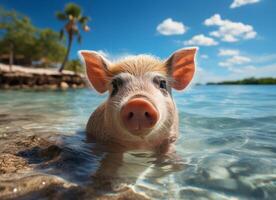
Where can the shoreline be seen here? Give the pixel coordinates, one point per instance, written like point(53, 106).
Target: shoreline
point(247, 81)
point(39, 78)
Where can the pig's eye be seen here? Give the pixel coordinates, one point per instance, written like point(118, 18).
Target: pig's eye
point(163, 84)
point(160, 83)
point(116, 84)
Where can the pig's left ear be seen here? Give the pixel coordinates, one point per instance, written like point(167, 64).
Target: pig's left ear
point(96, 69)
point(181, 67)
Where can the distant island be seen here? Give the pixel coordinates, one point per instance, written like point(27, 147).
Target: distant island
point(247, 81)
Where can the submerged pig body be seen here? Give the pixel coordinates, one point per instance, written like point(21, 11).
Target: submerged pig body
point(139, 112)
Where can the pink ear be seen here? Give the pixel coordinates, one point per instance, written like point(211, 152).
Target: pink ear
point(96, 70)
point(182, 67)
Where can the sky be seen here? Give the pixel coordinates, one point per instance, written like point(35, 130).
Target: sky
point(236, 38)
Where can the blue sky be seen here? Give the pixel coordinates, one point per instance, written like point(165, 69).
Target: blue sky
point(236, 38)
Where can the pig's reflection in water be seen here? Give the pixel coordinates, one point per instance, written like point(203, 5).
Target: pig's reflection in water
point(120, 168)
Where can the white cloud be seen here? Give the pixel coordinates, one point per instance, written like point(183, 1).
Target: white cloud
point(171, 27)
point(229, 31)
point(224, 64)
point(228, 52)
point(253, 71)
point(235, 60)
point(204, 56)
point(265, 58)
point(201, 40)
point(242, 69)
point(204, 76)
point(262, 71)
point(238, 3)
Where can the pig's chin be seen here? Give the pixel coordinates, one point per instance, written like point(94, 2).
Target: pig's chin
point(137, 132)
point(140, 133)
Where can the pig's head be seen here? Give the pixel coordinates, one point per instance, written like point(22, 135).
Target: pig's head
point(140, 104)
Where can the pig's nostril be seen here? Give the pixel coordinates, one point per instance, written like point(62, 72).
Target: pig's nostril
point(147, 114)
point(130, 115)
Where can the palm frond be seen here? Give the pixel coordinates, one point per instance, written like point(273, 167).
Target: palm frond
point(84, 19)
point(72, 9)
point(61, 16)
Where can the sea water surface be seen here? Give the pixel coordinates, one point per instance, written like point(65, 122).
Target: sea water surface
point(226, 149)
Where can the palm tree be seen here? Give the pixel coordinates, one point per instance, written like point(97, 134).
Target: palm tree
point(73, 16)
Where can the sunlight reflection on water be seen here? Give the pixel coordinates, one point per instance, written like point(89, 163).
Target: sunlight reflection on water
point(227, 147)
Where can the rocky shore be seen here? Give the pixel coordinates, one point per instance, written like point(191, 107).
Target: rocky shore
point(32, 162)
point(38, 78)
point(20, 177)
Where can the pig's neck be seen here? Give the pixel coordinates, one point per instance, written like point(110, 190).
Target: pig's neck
point(97, 129)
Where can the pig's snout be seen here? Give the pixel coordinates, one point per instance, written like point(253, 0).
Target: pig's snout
point(139, 114)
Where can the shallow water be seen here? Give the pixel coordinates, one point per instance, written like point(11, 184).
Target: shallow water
point(226, 149)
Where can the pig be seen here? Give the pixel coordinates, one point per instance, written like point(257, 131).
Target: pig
point(139, 113)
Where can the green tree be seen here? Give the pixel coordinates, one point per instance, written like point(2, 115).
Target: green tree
point(75, 66)
point(20, 38)
point(49, 49)
point(17, 35)
point(73, 16)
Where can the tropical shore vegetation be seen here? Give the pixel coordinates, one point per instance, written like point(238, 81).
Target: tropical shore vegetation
point(248, 81)
point(32, 57)
point(24, 44)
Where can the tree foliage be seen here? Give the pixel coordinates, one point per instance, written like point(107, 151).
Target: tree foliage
point(19, 36)
point(49, 48)
point(248, 81)
point(73, 18)
point(75, 66)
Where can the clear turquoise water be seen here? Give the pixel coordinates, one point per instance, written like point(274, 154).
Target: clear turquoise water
point(227, 146)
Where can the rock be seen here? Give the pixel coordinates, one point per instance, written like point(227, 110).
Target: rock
point(87, 193)
point(52, 80)
point(25, 86)
point(24, 143)
point(82, 85)
point(35, 78)
point(52, 87)
point(26, 163)
point(66, 78)
point(64, 85)
point(5, 86)
point(218, 172)
point(27, 187)
point(10, 163)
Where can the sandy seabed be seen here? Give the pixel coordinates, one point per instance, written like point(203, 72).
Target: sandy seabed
point(25, 157)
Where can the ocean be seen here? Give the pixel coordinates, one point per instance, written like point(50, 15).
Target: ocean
point(226, 149)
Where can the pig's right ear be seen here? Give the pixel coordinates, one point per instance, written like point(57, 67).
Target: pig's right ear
point(96, 69)
point(181, 66)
